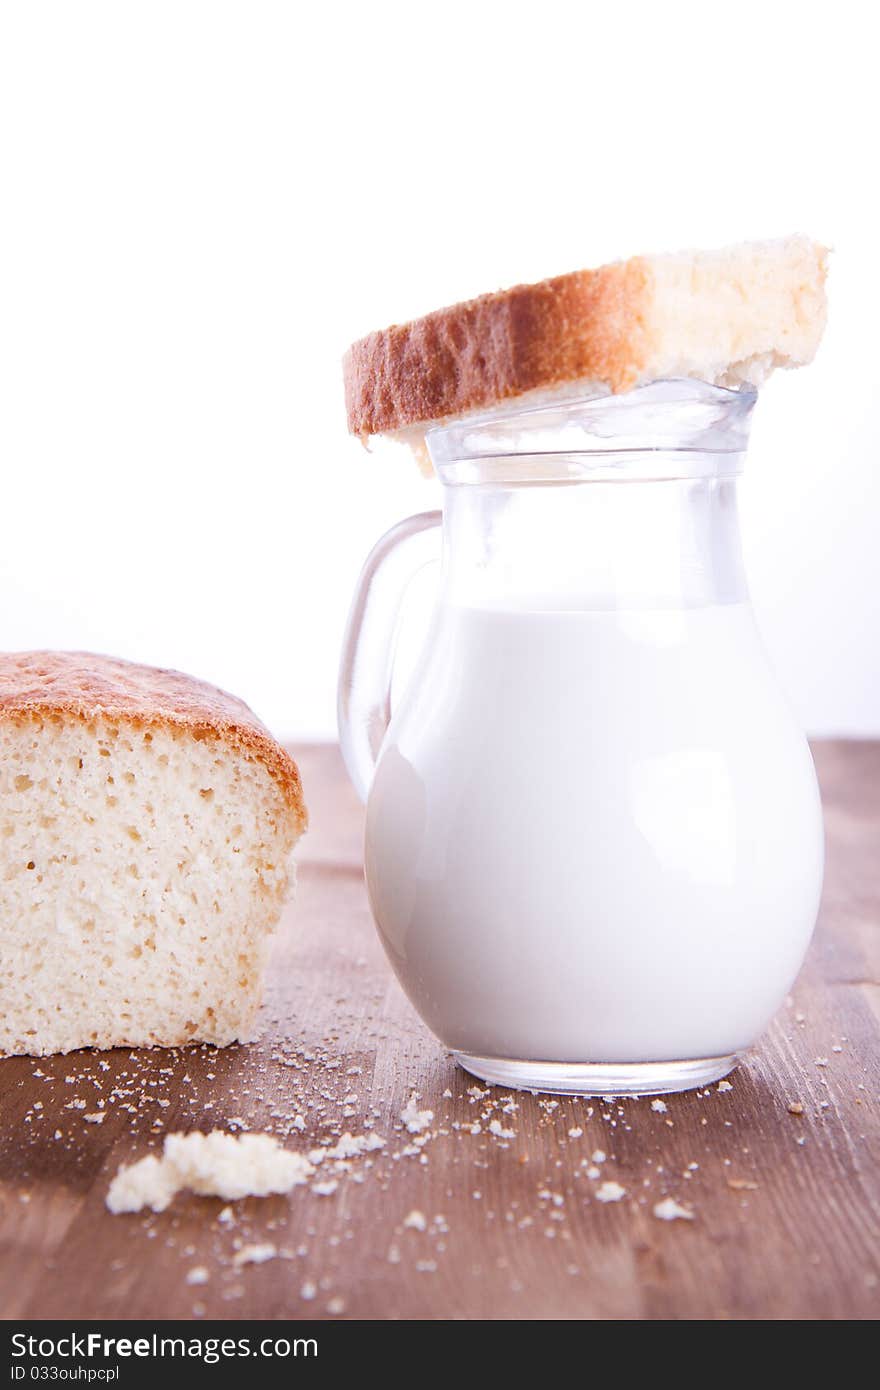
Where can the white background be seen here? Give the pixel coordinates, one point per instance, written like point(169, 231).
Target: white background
point(202, 204)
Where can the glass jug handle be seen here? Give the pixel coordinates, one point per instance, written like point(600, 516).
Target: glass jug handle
point(364, 694)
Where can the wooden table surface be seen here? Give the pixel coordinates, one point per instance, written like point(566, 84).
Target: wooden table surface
point(489, 1211)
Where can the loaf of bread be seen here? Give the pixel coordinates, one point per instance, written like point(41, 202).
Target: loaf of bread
point(726, 317)
point(147, 824)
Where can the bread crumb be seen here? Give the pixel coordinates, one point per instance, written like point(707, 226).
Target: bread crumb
point(211, 1165)
point(659, 1106)
point(308, 1291)
point(336, 1306)
point(610, 1192)
point(325, 1189)
point(256, 1254)
point(352, 1145)
point(148, 1183)
point(795, 1107)
point(96, 1117)
point(413, 1118)
point(742, 1185)
point(415, 1221)
point(197, 1275)
point(496, 1128)
point(670, 1210)
point(724, 1086)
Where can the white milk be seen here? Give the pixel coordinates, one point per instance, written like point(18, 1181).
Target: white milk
point(595, 836)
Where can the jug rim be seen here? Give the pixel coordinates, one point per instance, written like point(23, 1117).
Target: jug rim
point(677, 428)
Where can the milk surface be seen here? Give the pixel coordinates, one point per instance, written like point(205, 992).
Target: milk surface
point(594, 836)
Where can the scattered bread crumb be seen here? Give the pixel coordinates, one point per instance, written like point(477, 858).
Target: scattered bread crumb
point(610, 1192)
point(670, 1210)
point(212, 1165)
point(256, 1254)
point(496, 1128)
point(413, 1118)
point(351, 1146)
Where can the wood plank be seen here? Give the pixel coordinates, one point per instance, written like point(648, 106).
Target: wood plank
point(786, 1207)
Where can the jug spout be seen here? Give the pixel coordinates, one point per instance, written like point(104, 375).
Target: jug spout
point(675, 428)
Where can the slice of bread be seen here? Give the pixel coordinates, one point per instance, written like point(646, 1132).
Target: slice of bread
point(147, 823)
point(726, 317)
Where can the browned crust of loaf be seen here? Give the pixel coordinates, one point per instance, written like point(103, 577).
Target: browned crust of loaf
point(587, 325)
point(85, 686)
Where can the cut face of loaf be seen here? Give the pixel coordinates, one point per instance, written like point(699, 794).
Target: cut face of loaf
point(147, 824)
point(726, 317)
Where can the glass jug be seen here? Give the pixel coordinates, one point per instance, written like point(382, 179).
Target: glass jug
point(594, 840)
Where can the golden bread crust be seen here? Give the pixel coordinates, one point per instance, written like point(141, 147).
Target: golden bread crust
point(589, 325)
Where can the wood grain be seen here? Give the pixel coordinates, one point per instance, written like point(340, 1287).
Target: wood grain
point(786, 1206)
